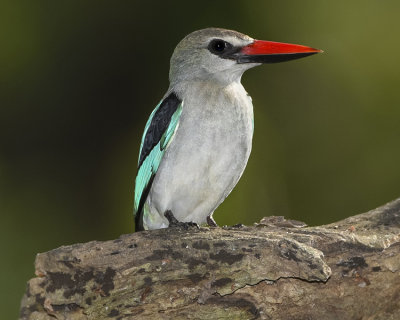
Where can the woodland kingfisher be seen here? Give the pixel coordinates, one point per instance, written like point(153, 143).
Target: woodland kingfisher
point(197, 141)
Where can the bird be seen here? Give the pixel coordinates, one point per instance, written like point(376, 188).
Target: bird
point(198, 139)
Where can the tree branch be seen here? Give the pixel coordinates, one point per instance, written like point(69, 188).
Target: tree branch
point(277, 269)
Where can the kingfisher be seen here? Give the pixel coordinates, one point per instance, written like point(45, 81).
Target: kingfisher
point(197, 141)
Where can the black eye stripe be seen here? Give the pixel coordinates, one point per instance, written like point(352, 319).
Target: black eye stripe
point(223, 49)
point(218, 46)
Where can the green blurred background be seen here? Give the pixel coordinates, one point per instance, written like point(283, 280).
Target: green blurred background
point(78, 80)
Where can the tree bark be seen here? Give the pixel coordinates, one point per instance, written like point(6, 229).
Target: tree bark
point(276, 269)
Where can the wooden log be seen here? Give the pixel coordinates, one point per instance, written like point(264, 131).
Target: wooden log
point(276, 269)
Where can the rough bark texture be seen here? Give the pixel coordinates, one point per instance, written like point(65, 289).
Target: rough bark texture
point(277, 269)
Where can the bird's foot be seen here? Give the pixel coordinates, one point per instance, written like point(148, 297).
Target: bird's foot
point(170, 217)
point(173, 222)
point(211, 222)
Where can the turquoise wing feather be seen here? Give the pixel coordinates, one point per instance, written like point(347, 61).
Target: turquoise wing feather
point(158, 134)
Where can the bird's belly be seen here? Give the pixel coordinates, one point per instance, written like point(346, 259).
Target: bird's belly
point(205, 158)
point(198, 172)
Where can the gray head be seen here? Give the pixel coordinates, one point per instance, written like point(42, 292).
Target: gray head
point(198, 56)
point(222, 55)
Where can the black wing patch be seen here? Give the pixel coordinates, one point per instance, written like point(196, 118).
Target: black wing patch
point(159, 124)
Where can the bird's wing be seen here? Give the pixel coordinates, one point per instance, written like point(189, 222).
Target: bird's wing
point(158, 133)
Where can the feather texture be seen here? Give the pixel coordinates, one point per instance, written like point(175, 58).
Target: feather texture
point(158, 133)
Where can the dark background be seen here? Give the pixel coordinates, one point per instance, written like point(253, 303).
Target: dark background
point(78, 80)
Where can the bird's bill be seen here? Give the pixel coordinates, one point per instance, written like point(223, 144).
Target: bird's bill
point(260, 51)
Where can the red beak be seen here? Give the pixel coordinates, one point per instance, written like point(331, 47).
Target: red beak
point(260, 51)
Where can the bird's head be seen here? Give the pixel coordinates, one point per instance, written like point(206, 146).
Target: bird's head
point(223, 55)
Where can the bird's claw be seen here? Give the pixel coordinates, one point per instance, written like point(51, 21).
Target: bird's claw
point(173, 222)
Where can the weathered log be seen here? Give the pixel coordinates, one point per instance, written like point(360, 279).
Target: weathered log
point(276, 269)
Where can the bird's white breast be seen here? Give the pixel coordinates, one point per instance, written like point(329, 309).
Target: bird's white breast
point(207, 155)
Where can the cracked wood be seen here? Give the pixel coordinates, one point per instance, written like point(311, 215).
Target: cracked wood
point(276, 269)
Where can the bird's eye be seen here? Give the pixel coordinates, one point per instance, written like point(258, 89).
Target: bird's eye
point(218, 46)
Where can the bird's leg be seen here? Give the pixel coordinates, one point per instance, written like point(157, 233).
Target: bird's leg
point(211, 222)
point(171, 218)
point(173, 222)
